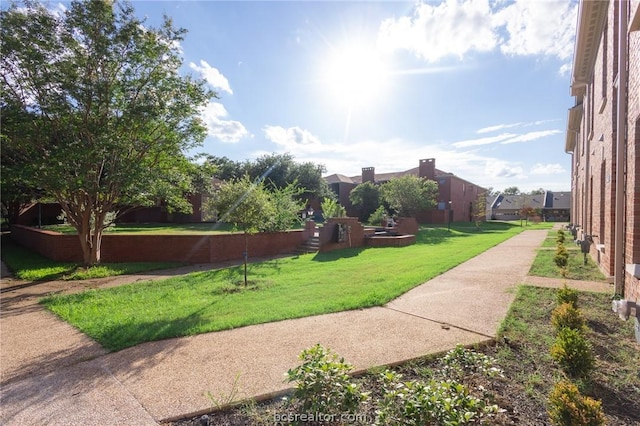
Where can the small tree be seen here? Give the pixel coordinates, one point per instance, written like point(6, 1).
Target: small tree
point(479, 209)
point(408, 195)
point(525, 213)
point(366, 196)
point(246, 205)
point(332, 208)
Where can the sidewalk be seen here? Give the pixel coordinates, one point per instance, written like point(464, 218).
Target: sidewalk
point(52, 374)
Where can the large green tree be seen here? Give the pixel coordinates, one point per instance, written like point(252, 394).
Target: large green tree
point(409, 195)
point(366, 197)
point(110, 115)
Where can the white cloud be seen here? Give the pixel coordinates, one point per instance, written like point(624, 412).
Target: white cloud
point(531, 136)
point(212, 76)
point(502, 169)
point(452, 27)
point(539, 28)
point(547, 169)
point(497, 127)
point(484, 141)
point(291, 138)
point(505, 138)
point(456, 27)
point(225, 130)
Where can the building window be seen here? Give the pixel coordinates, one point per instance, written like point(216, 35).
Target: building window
point(441, 205)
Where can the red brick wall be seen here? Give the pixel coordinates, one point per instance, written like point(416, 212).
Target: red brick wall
point(594, 157)
point(165, 248)
point(327, 234)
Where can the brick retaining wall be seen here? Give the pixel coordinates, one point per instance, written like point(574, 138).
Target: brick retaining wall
point(162, 248)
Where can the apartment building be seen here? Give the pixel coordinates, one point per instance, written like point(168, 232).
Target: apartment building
point(603, 138)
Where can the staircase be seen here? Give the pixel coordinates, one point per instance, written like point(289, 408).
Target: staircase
point(312, 245)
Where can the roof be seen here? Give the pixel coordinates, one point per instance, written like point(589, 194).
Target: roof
point(379, 177)
point(548, 200)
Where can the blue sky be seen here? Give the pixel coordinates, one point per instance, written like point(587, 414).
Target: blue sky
point(481, 86)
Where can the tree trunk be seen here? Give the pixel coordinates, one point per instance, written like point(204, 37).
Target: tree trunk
point(246, 256)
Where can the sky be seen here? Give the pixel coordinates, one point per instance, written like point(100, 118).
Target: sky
point(482, 86)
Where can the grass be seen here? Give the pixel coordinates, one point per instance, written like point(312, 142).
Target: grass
point(152, 228)
point(30, 266)
point(522, 352)
point(525, 356)
point(285, 288)
point(544, 266)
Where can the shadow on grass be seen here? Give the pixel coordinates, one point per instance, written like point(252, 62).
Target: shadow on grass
point(331, 256)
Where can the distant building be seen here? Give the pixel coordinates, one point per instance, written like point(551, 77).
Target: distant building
point(550, 206)
point(455, 195)
point(603, 138)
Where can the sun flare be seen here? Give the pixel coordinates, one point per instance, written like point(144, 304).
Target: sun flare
point(355, 74)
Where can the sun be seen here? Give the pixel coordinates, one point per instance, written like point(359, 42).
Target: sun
point(355, 74)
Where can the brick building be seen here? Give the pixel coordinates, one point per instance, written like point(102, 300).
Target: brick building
point(603, 138)
point(455, 195)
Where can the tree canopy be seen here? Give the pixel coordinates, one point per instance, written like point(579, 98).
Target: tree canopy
point(106, 114)
point(365, 196)
point(278, 171)
point(408, 195)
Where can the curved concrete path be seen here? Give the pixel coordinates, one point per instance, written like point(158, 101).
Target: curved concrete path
point(52, 374)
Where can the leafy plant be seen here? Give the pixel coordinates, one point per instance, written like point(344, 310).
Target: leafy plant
point(331, 208)
point(561, 237)
point(568, 295)
point(378, 216)
point(567, 407)
point(323, 384)
point(573, 352)
point(561, 259)
point(435, 402)
point(567, 316)
point(460, 361)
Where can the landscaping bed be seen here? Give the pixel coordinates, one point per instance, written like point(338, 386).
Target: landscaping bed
point(521, 352)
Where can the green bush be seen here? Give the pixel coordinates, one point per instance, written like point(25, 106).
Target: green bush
point(568, 295)
point(460, 361)
point(378, 216)
point(573, 352)
point(561, 237)
point(567, 407)
point(438, 403)
point(561, 258)
point(323, 384)
point(331, 208)
point(567, 316)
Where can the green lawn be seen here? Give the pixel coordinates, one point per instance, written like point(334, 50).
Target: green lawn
point(544, 266)
point(152, 228)
point(284, 288)
point(30, 266)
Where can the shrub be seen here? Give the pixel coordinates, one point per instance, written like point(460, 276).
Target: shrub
point(417, 403)
point(460, 361)
point(567, 407)
point(568, 295)
point(378, 216)
point(561, 258)
point(323, 384)
point(573, 352)
point(567, 316)
point(331, 208)
point(561, 237)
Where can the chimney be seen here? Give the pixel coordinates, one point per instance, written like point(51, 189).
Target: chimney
point(368, 174)
point(427, 169)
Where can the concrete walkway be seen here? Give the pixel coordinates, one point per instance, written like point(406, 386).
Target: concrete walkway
point(54, 375)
